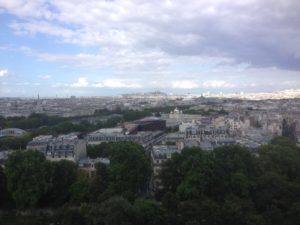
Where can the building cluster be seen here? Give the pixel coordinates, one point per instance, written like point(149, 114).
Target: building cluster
point(68, 147)
point(159, 155)
point(82, 106)
point(145, 132)
point(88, 165)
point(12, 132)
point(247, 127)
point(205, 122)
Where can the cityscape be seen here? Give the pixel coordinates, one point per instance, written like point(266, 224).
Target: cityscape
point(141, 112)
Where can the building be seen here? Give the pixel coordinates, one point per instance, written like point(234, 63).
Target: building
point(177, 117)
point(88, 165)
point(118, 134)
point(160, 154)
point(12, 132)
point(146, 124)
point(68, 147)
point(204, 133)
point(3, 157)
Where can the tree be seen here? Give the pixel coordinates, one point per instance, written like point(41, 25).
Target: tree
point(233, 171)
point(186, 174)
point(150, 211)
point(117, 210)
point(62, 175)
point(5, 197)
point(129, 169)
point(101, 150)
point(80, 190)
point(277, 189)
point(27, 177)
point(14, 143)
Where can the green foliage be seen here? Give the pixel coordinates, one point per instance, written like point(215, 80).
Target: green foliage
point(128, 115)
point(150, 211)
point(27, 175)
point(80, 190)
point(73, 216)
point(227, 186)
point(233, 171)
point(129, 169)
point(26, 220)
point(117, 210)
point(183, 170)
point(131, 115)
point(111, 122)
point(6, 201)
point(14, 143)
point(62, 175)
point(232, 186)
point(101, 150)
point(35, 120)
point(205, 112)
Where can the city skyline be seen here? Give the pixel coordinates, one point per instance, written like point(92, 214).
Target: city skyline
point(112, 47)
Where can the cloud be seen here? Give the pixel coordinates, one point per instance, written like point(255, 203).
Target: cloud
point(3, 73)
point(118, 83)
point(222, 28)
point(81, 82)
point(218, 84)
point(173, 45)
point(28, 83)
point(45, 77)
point(185, 84)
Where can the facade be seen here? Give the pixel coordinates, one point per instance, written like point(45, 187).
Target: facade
point(12, 132)
point(3, 157)
point(160, 154)
point(68, 147)
point(118, 134)
point(146, 124)
point(88, 165)
point(203, 133)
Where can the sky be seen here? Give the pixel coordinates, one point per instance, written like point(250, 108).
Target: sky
point(108, 47)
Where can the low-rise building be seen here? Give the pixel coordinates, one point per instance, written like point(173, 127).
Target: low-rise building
point(3, 157)
point(68, 147)
point(118, 134)
point(88, 165)
point(160, 154)
point(146, 124)
point(12, 132)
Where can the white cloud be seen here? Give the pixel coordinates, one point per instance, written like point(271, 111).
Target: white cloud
point(81, 82)
point(185, 84)
point(45, 77)
point(218, 84)
point(196, 28)
point(3, 73)
point(28, 83)
point(117, 83)
point(162, 44)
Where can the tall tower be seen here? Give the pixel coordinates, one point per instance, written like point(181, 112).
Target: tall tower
point(38, 108)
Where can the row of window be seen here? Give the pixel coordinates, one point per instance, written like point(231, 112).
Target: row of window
point(127, 138)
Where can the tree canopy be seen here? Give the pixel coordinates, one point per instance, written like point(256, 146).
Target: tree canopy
point(227, 186)
point(27, 175)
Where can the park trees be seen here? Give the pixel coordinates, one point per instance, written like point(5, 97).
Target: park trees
point(27, 177)
point(129, 170)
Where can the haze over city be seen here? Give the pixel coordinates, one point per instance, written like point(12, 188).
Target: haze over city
point(90, 48)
